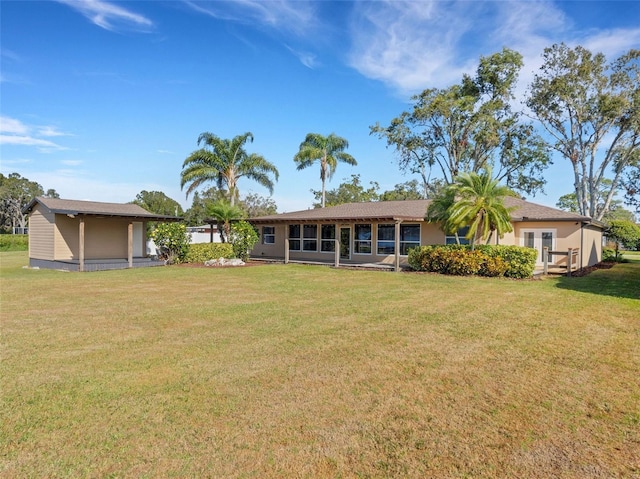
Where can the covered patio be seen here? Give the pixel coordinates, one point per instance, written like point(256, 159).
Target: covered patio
point(77, 235)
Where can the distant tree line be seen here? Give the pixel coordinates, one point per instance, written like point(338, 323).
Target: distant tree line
point(15, 193)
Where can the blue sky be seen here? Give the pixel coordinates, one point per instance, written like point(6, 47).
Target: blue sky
point(103, 99)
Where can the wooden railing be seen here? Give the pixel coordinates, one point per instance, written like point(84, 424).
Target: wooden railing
point(571, 254)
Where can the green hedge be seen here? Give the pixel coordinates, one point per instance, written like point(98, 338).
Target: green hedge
point(484, 260)
point(14, 242)
point(201, 252)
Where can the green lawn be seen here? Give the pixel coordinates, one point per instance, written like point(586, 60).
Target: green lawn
point(309, 371)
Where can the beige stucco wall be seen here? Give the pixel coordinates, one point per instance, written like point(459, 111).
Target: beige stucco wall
point(567, 235)
point(104, 238)
point(66, 238)
point(429, 234)
point(275, 250)
point(41, 234)
point(591, 245)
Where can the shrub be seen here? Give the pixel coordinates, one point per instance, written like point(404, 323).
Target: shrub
point(465, 262)
point(493, 266)
point(201, 252)
point(485, 260)
point(521, 261)
point(609, 255)
point(10, 242)
point(173, 241)
point(243, 238)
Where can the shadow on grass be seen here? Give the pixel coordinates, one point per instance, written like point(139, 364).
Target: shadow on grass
point(622, 281)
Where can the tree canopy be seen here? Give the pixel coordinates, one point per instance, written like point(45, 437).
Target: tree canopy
point(159, 203)
point(625, 233)
point(328, 151)
point(469, 127)
point(224, 213)
point(590, 110)
point(15, 193)
point(476, 201)
point(224, 162)
point(347, 192)
point(409, 190)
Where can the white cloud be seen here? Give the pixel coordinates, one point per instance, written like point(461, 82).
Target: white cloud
point(110, 16)
point(71, 162)
point(43, 145)
point(14, 132)
point(411, 46)
point(297, 19)
point(612, 43)
point(291, 16)
point(308, 59)
point(12, 126)
point(51, 131)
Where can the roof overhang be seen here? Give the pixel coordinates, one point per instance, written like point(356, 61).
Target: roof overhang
point(353, 219)
point(585, 220)
point(101, 214)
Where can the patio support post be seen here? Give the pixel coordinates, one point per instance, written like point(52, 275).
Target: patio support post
point(81, 245)
point(286, 250)
point(397, 247)
point(545, 259)
point(337, 243)
point(569, 261)
point(130, 244)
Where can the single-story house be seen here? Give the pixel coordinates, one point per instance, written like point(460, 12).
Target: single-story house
point(89, 236)
point(381, 233)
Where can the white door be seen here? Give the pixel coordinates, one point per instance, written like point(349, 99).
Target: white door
point(137, 239)
point(539, 239)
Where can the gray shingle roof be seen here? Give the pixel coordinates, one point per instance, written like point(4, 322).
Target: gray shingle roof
point(95, 208)
point(412, 210)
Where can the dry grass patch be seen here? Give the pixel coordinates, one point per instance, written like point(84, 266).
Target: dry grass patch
point(300, 371)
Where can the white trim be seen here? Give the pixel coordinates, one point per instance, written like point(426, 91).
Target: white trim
point(270, 235)
point(537, 240)
point(303, 239)
point(335, 233)
point(419, 225)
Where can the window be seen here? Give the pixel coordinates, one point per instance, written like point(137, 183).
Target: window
point(268, 235)
point(327, 237)
point(462, 232)
point(294, 237)
point(362, 241)
point(386, 239)
point(529, 239)
point(539, 239)
point(409, 238)
point(310, 238)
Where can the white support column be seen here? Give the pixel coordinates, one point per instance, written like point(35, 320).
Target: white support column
point(286, 250)
point(81, 244)
point(130, 244)
point(397, 246)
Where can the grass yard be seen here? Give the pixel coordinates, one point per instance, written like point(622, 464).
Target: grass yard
point(308, 371)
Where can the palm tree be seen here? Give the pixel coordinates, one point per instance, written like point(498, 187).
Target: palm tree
point(224, 212)
point(328, 150)
point(480, 205)
point(225, 162)
point(439, 210)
